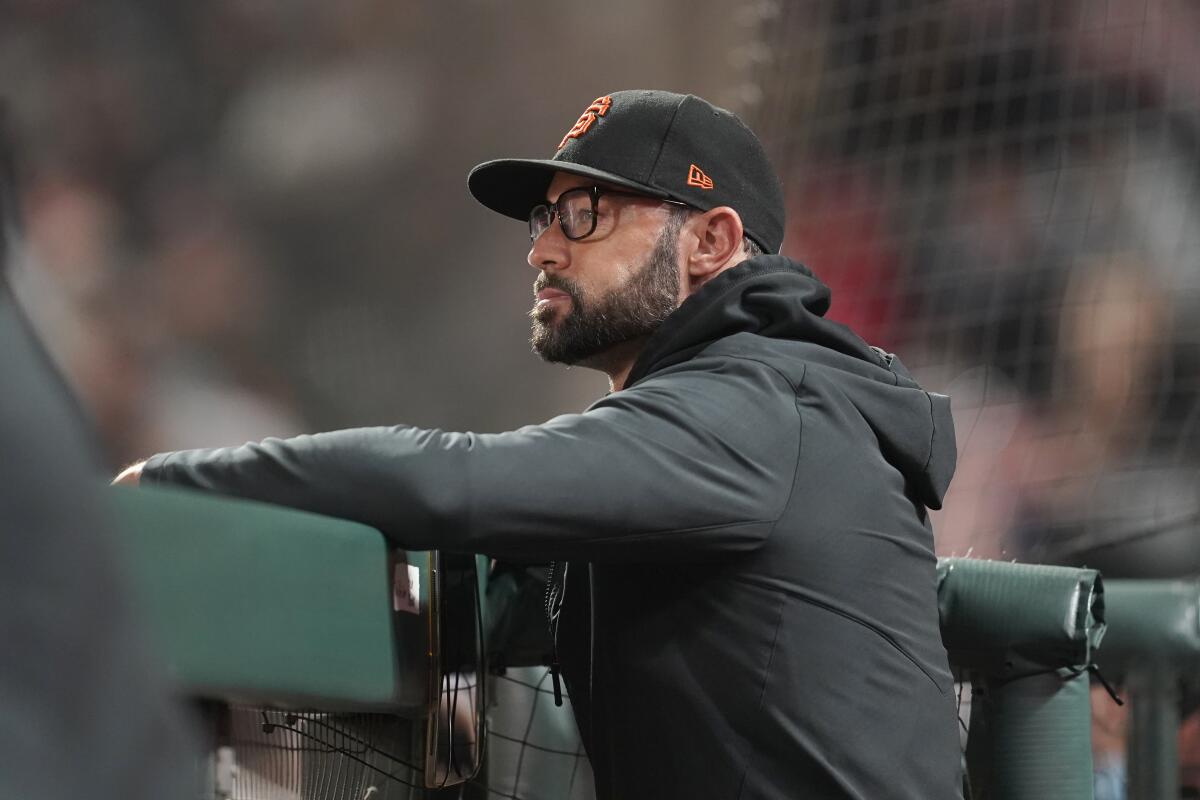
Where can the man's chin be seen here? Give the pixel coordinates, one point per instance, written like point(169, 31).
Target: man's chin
point(550, 357)
point(547, 324)
point(549, 314)
point(549, 346)
point(548, 342)
point(542, 342)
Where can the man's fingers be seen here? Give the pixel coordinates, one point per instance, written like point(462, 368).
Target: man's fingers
point(130, 476)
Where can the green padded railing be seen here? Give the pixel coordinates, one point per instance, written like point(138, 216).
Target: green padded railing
point(1153, 649)
point(1024, 636)
point(290, 625)
point(251, 602)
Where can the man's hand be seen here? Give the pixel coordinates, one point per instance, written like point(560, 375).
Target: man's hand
point(130, 476)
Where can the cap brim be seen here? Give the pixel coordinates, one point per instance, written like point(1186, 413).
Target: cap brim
point(513, 186)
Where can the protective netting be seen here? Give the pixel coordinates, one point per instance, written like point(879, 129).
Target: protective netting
point(533, 751)
point(287, 756)
point(1006, 195)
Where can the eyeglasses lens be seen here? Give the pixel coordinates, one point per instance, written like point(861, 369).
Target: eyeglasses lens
point(539, 219)
point(575, 213)
point(575, 210)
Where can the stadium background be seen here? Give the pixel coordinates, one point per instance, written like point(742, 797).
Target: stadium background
point(248, 219)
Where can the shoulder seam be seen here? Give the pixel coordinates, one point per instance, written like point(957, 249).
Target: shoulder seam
point(799, 448)
point(799, 423)
point(932, 432)
point(794, 387)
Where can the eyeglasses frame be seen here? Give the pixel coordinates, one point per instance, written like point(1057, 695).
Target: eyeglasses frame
point(594, 193)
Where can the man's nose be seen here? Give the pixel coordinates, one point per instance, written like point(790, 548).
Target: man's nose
point(549, 250)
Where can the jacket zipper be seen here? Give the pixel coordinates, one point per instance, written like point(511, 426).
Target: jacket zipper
point(556, 590)
point(591, 652)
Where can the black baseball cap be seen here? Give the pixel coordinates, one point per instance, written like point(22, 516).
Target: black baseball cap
point(663, 144)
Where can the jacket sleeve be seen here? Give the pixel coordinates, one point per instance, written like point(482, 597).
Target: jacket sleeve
point(690, 464)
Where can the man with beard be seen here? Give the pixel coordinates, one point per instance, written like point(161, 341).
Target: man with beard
point(743, 598)
point(588, 333)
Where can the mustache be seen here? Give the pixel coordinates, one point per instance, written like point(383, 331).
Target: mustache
point(547, 281)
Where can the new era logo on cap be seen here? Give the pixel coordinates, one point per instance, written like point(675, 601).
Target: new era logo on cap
point(696, 177)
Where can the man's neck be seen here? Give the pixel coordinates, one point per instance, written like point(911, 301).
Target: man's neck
point(616, 380)
point(617, 362)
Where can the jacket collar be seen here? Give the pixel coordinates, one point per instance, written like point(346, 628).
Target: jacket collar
point(769, 295)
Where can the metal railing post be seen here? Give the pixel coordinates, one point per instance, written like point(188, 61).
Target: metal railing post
point(1153, 649)
point(1024, 635)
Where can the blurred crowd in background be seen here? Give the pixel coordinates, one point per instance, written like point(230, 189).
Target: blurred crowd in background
point(1007, 194)
point(250, 218)
point(246, 219)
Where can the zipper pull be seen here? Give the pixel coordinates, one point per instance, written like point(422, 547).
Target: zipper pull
point(554, 680)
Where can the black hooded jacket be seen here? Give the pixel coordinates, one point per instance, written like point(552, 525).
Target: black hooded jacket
point(749, 605)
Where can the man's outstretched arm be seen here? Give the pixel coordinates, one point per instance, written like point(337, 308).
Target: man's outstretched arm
point(699, 462)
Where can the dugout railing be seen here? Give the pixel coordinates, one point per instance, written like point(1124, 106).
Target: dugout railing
point(324, 663)
point(1023, 637)
point(329, 665)
point(1153, 650)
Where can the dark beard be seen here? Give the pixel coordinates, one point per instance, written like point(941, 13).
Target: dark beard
point(633, 311)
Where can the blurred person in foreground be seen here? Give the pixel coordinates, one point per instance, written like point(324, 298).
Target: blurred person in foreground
point(743, 597)
point(84, 710)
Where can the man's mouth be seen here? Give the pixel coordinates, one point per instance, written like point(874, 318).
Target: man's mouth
point(547, 296)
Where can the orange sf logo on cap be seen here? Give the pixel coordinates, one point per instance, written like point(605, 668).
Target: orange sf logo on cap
point(598, 108)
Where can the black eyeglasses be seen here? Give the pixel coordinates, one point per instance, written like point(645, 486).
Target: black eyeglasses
point(576, 211)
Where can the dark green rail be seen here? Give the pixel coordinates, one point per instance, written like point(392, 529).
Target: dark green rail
point(254, 602)
point(1153, 648)
point(1024, 636)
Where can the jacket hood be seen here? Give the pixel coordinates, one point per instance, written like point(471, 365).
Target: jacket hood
point(781, 304)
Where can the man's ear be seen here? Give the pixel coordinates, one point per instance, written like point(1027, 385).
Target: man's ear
point(717, 244)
